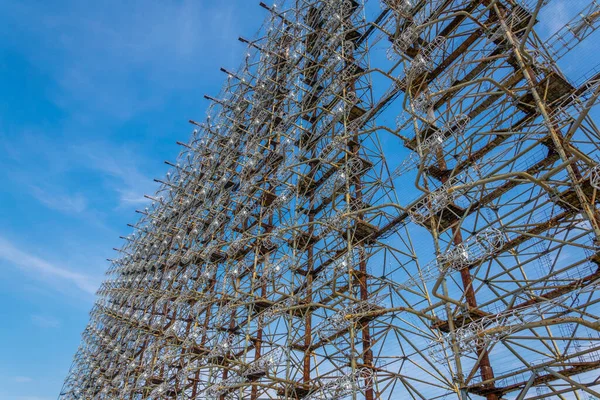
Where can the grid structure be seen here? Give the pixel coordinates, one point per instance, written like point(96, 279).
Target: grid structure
point(303, 247)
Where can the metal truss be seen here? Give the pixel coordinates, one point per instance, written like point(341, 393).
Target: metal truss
point(303, 246)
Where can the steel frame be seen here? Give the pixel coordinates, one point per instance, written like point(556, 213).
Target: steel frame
point(284, 257)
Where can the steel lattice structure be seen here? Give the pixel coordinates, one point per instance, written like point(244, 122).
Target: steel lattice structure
point(276, 259)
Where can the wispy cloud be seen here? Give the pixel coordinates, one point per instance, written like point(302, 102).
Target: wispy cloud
point(557, 16)
point(63, 202)
point(558, 12)
point(41, 268)
point(121, 171)
point(31, 398)
point(22, 379)
point(121, 168)
point(45, 321)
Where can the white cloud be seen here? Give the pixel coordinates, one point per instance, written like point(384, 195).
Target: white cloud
point(67, 203)
point(121, 165)
point(44, 269)
point(31, 398)
point(22, 379)
point(120, 169)
point(45, 321)
point(558, 12)
point(557, 16)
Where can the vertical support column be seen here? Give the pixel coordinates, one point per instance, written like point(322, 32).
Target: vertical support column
point(309, 278)
point(357, 197)
point(485, 366)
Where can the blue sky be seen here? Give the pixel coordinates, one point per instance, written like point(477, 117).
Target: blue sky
point(92, 99)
